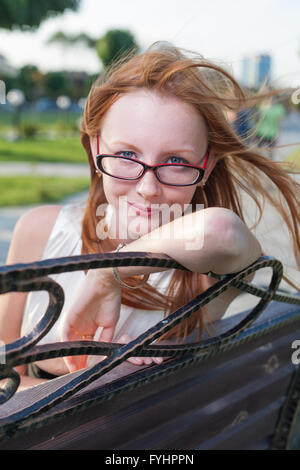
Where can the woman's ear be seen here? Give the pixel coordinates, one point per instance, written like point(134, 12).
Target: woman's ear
point(211, 163)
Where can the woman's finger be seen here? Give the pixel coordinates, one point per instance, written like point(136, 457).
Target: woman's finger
point(69, 333)
point(76, 362)
point(124, 339)
point(107, 334)
point(158, 360)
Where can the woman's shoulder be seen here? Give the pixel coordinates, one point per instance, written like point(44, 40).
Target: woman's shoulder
point(31, 233)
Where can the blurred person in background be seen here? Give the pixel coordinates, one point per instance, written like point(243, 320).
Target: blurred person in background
point(269, 115)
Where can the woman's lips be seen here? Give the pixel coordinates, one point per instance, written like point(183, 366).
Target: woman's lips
point(148, 211)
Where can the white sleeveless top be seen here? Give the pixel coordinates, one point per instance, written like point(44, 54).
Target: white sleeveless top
point(65, 240)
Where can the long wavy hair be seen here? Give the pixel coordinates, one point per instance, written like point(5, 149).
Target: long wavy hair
point(213, 92)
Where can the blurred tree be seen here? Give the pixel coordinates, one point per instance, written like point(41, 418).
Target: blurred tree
point(81, 83)
point(30, 81)
point(26, 14)
point(36, 84)
point(56, 84)
point(61, 38)
point(109, 47)
point(114, 44)
point(70, 40)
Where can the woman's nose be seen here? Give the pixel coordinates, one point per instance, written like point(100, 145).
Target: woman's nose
point(149, 186)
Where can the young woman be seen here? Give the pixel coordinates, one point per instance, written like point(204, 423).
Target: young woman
point(159, 146)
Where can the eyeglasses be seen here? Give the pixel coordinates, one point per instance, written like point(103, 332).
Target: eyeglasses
point(172, 174)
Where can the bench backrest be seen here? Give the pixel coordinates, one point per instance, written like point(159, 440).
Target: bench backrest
point(240, 394)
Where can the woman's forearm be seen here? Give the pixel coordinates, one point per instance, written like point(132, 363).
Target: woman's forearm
point(213, 239)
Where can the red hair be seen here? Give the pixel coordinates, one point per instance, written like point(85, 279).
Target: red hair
point(211, 91)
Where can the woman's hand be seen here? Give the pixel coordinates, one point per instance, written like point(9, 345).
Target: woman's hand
point(124, 339)
point(96, 304)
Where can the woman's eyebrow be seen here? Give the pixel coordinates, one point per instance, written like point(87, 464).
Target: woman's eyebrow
point(125, 144)
point(175, 150)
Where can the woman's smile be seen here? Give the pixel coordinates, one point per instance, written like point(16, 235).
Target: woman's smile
point(146, 211)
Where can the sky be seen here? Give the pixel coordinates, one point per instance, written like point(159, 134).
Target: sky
point(224, 31)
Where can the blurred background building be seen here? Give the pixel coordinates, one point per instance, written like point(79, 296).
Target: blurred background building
point(256, 70)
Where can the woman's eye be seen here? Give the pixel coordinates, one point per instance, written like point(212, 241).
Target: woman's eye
point(177, 160)
point(127, 153)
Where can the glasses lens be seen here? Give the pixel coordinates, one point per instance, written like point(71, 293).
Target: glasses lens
point(178, 174)
point(121, 167)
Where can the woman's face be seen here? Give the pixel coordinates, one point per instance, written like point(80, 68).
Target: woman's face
point(152, 128)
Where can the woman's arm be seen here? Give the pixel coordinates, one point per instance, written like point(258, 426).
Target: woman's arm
point(214, 240)
point(227, 245)
point(27, 245)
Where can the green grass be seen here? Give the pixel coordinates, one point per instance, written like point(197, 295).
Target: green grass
point(49, 120)
point(68, 150)
point(22, 190)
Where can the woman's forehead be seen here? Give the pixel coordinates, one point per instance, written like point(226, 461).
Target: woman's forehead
point(142, 99)
point(145, 112)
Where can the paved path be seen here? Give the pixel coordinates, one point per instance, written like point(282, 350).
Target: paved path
point(48, 169)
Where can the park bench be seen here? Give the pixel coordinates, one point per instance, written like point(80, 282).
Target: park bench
point(236, 388)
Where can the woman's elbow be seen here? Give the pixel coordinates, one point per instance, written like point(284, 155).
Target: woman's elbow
point(234, 245)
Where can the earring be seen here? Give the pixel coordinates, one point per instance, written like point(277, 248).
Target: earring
point(98, 172)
